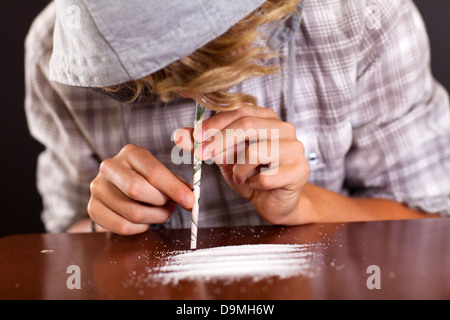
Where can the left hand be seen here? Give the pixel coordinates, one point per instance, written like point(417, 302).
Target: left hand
point(271, 172)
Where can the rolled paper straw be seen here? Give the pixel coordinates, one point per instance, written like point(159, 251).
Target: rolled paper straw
point(199, 117)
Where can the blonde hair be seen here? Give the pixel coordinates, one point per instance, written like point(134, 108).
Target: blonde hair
point(207, 74)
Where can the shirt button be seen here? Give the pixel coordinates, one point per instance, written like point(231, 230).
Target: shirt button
point(313, 158)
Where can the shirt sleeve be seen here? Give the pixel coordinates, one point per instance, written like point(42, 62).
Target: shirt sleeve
point(401, 143)
point(67, 165)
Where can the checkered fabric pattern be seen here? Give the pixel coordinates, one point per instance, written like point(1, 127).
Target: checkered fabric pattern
point(373, 120)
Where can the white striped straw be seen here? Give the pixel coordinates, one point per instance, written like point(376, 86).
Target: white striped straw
point(199, 117)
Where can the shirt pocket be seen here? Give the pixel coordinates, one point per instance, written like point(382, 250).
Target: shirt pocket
point(326, 145)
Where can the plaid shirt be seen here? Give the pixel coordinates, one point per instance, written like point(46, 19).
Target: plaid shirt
point(373, 120)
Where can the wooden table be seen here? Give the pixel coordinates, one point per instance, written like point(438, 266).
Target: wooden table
point(411, 259)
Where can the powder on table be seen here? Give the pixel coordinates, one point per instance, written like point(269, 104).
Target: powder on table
point(47, 251)
point(234, 262)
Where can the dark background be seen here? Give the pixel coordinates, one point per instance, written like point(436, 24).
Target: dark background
point(20, 204)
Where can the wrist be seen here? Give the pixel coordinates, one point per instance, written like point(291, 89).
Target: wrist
point(305, 211)
point(302, 213)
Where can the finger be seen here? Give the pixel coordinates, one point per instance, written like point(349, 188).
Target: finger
point(183, 139)
point(276, 177)
point(231, 156)
point(223, 119)
point(189, 185)
point(131, 183)
point(250, 159)
point(109, 220)
point(246, 129)
point(133, 211)
point(266, 153)
point(160, 177)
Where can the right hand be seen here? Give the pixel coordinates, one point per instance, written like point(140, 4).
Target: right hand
point(133, 190)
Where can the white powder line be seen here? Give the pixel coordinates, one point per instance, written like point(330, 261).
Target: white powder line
point(179, 261)
point(255, 272)
point(232, 262)
point(186, 258)
point(205, 265)
point(243, 250)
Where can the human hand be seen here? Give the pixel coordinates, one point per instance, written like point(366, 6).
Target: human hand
point(239, 142)
point(133, 190)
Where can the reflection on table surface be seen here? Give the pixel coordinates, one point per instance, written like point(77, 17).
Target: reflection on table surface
point(368, 260)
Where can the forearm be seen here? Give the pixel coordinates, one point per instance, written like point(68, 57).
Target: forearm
point(320, 205)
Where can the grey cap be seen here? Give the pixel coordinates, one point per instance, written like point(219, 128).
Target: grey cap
point(99, 43)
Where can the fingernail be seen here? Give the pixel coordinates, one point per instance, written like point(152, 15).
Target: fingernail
point(176, 137)
point(202, 152)
point(198, 134)
point(187, 201)
point(178, 134)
